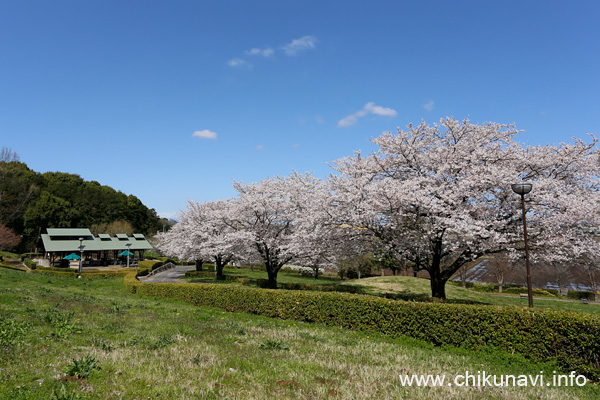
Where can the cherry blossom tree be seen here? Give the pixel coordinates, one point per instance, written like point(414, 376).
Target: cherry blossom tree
point(440, 195)
point(203, 233)
point(275, 216)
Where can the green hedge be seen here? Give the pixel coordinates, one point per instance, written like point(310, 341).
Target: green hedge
point(578, 295)
point(200, 274)
point(150, 264)
point(572, 339)
point(212, 274)
point(264, 283)
point(15, 267)
point(87, 274)
point(536, 292)
point(30, 264)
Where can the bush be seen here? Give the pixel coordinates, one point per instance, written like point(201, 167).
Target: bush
point(30, 264)
point(536, 292)
point(150, 265)
point(572, 339)
point(30, 255)
point(580, 295)
point(74, 273)
point(166, 260)
point(476, 286)
point(200, 274)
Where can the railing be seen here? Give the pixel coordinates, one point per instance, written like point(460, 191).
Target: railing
point(161, 269)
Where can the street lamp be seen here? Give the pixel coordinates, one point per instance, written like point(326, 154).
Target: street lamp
point(128, 246)
point(522, 189)
point(81, 246)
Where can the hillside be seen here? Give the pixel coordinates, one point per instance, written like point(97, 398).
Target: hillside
point(31, 201)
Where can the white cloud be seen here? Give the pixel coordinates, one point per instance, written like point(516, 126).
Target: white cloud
point(429, 106)
point(266, 52)
point(260, 147)
point(348, 121)
point(296, 45)
point(369, 108)
point(238, 62)
point(378, 110)
point(205, 134)
point(319, 119)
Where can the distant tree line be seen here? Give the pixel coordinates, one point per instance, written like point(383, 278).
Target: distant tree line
point(31, 201)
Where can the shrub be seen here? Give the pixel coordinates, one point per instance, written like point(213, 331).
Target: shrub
point(536, 292)
point(476, 286)
point(166, 260)
point(30, 264)
point(73, 273)
point(579, 295)
point(572, 339)
point(200, 274)
point(150, 264)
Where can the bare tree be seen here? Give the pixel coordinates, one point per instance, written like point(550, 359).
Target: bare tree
point(7, 155)
point(562, 276)
point(500, 265)
point(8, 238)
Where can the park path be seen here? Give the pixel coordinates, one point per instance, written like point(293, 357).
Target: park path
point(170, 275)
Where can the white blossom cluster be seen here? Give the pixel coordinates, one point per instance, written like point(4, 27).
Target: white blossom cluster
point(436, 196)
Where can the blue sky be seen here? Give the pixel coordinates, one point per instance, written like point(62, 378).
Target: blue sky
point(172, 100)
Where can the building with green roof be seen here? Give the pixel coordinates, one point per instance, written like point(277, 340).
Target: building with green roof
point(60, 242)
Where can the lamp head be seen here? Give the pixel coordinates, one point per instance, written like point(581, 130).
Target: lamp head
point(522, 188)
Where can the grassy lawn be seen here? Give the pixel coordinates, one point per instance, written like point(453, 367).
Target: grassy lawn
point(164, 349)
point(420, 290)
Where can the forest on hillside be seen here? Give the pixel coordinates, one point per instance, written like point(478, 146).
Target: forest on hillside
point(31, 201)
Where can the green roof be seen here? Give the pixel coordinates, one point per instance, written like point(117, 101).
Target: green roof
point(67, 240)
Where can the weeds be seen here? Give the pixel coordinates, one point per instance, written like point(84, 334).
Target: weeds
point(273, 345)
point(162, 342)
point(103, 344)
point(64, 395)
point(12, 331)
point(82, 368)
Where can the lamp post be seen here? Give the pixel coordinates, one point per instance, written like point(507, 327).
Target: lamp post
point(128, 246)
point(81, 246)
point(522, 189)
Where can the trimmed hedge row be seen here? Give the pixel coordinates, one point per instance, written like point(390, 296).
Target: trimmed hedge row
point(200, 274)
point(150, 264)
point(73, 273)
point(15, 267)
point(572, 339)
point(212, 274)
point(579, 295)
point(264, 283)
point(536, 292)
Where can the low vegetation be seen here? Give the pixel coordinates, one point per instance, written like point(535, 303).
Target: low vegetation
point(134, 346)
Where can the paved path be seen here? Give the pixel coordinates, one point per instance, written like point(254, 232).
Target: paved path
point(170, 275)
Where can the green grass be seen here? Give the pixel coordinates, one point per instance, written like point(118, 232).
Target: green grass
point(54, 330)
point(419, 289)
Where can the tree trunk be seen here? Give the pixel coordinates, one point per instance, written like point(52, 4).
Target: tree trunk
point(316, 271)
point(272, 277)
point(438, 286)
point(199, 265)
point(219, 264)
